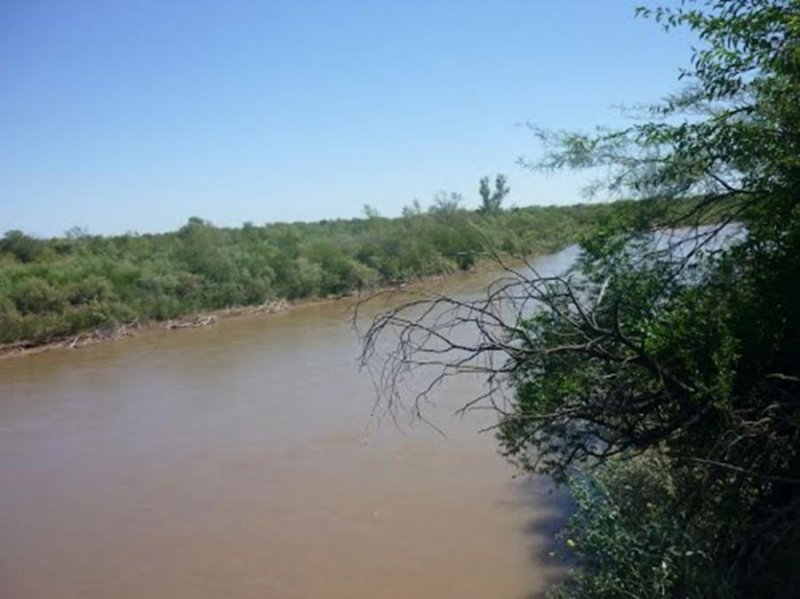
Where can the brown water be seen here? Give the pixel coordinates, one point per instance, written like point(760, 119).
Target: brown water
point(243, 461)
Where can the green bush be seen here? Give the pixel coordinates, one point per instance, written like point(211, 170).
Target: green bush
point(59, 286)
point(631, 540)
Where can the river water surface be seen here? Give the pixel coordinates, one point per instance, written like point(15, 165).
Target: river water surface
point(244, 461)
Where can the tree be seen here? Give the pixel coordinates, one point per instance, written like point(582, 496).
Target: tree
point(415, 209)
point(23, 247)
point(370, 212)
point(680, 348)
point(446, 204)
point(76, 232)
point(492, 200)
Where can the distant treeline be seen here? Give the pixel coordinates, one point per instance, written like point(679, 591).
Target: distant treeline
point(53, 288)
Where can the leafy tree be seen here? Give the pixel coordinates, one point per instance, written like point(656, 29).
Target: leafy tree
point(370, 212)
point(415, 209)
point(492, 200)
point(446, 204)
point(76, 233)
point(678, 341)
point(201, 250)
point(23, 247)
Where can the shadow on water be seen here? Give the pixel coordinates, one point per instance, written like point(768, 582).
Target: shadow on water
point(546, 550)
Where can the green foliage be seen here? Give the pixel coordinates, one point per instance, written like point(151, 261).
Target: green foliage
point(629, 542)
point(446, 205)
point(492, 200)
point(58, 287)
point(21, 246)
point(687, 347)
point(660, 376)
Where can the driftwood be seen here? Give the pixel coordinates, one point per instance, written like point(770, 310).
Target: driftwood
point(270, 307)
point(197, 321)
point(110, 331)
point(113, 330)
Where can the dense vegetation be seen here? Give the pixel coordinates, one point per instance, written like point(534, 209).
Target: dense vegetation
point(660, 378)
point(51, 288)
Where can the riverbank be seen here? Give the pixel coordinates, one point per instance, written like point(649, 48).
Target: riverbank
point(205, 318)
point(54, 290)
point(137, 327)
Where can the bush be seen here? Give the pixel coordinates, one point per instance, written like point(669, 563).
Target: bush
point(628, 540)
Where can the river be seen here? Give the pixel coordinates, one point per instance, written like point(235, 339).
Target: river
point(245, 460)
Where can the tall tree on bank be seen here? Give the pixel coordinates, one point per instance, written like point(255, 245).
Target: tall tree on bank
point(491, 200)
point(676, 346)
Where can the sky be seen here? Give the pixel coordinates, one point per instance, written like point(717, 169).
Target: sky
point(134, 115)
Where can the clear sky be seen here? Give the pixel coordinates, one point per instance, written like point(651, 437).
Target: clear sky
point(133, 115)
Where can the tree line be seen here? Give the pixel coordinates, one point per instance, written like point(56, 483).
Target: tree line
point(53, 288)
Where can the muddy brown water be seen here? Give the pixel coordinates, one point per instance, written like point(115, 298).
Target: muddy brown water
point(245, 461)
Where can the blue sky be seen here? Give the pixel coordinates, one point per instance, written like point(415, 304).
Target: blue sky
point(135, 115)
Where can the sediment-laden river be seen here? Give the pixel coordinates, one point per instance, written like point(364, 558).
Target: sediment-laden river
point(244, 461)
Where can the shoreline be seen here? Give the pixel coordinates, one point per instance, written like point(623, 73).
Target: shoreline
point(207, 318)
